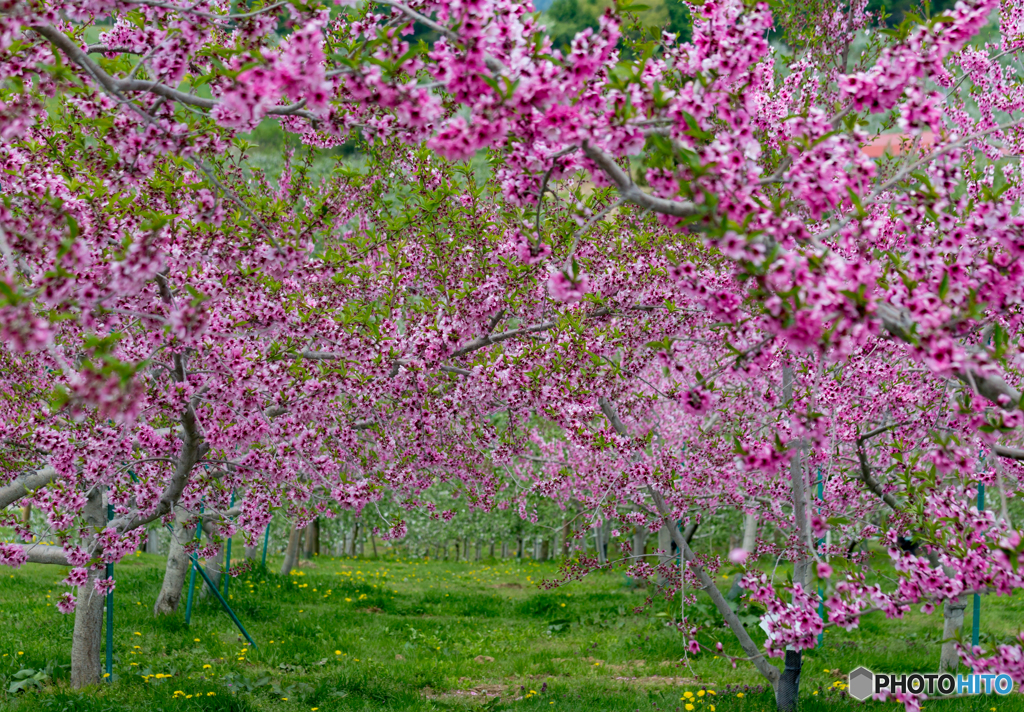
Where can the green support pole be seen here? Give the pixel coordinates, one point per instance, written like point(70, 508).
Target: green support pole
point(227, 559)
point(110, 609)
point(266, 538)
point(192, 576)
point(224, 603)
point(976, 622)
point(821, 589)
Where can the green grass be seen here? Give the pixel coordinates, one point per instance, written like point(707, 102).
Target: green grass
point(390, 634)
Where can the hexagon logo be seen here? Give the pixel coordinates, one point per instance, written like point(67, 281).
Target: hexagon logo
point(862, 682)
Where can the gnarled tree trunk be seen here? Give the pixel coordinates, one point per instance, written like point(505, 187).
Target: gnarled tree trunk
point(176, 569)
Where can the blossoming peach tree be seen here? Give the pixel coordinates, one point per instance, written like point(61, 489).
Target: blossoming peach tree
point(683, 237)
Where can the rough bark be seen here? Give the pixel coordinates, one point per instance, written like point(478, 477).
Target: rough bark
point(291, 554)
point(11, 493)
point(88, 631)
point(953, 622)
point(176, 569)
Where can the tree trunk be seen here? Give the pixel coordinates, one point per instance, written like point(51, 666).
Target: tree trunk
point(519, 548)
point(153, 541)
point(504, 549)
point(291, 554)
point(177, 568)
point(953, 621)
point(312, 539)
point(545, 548)
point(88, 632)
point(640, 535)
point(373, 543)
point(787, 692)
point(750, 532)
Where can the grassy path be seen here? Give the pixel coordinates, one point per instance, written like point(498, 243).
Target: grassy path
point(348, 634)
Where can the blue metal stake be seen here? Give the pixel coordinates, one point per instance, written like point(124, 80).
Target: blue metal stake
point(110, 609)
point(192, 576)
point(266, 538)
point(227, 561)
point(976, 622)
point(224, 603)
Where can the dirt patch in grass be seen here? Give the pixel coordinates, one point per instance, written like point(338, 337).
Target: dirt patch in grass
point(478, 692)
point(661, 681)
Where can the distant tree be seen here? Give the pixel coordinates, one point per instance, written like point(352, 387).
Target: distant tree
point(679, 21)
point(571, 17)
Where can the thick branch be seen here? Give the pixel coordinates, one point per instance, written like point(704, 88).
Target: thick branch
point(117, 87)
point(1010, 453)
point(868, 479)
point(192, 449)
point(769, 671)
point(898, 322)
point(631, 192)
point(26, 484)
point(43, 554)
point(613, 417)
